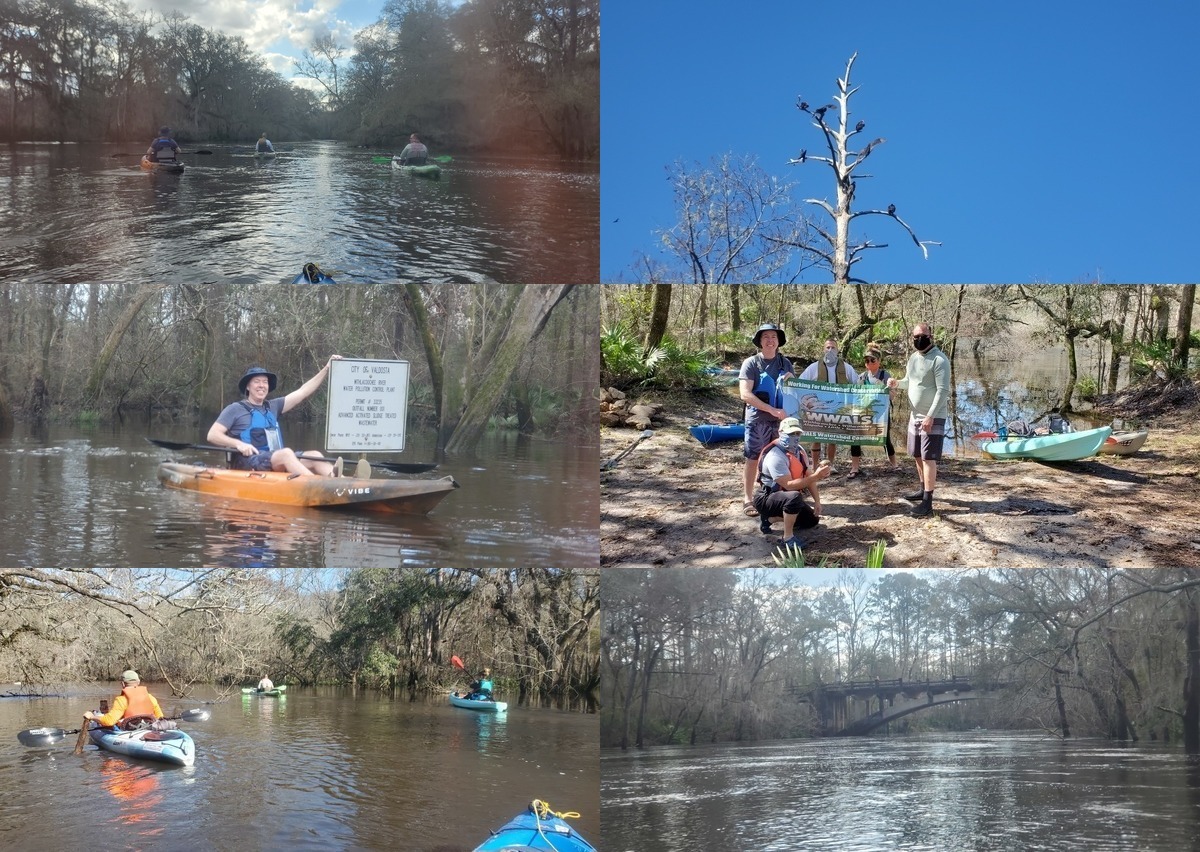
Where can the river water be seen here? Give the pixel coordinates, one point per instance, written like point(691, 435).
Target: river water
point(88, 213)
point(319, 769)
point(90, 497)
point(978, 790)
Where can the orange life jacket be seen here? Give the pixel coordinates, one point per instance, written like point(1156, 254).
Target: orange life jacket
point(139, 702)
point(797, 467)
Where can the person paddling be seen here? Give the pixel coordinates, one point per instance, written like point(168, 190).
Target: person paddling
point(133, 701)
point(251, 426)
point(164, 149)
point(481, 689)
point(264, 146)
point(265, 685)
point(415, 153)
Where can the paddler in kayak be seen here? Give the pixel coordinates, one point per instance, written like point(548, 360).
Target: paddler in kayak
point(415, 153)
point(164, 149)
point(251, 426)
point(265, 685)
point(134, 700)
point(481, 690)
point(264, 146)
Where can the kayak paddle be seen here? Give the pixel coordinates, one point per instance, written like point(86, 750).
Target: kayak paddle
point(979, 435)
point(611, 463)
point(396, 467)
point(50, 736)
point(387, 158)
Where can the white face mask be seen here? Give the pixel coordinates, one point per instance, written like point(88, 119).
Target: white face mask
point(830, 358)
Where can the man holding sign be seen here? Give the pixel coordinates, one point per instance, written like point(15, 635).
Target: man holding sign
point(250, 426)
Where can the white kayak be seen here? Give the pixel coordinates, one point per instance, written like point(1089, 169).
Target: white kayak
point(174, 747)
point(477, 704)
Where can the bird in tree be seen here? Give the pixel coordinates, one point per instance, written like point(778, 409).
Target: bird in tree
point(891, 209)
point(819, 113)
point(858, 127)
point(802, 105)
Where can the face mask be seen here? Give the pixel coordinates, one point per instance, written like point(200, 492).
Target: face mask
point(830, 359)
point(922, 341)
point(785, 442)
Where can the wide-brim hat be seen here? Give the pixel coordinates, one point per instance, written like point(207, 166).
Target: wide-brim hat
point(769, 326)
point(272, 379)
point(790, 426)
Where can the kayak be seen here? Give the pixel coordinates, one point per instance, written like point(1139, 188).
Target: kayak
point(1069, 446)
point(170, 168)
point(265, 155)
point(277, 692)
point(432, 170)
point(714, 433)
point(313, 274)
point(478, 704)
point(397, 496)
point(1124, 443)
point(535, 829)
point(174, 747)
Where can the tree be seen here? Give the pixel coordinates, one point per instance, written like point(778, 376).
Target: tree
point(835, 251)
point(1183, 327)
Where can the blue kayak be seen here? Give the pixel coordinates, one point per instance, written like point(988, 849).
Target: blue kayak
point(1068, 446)
point(536, 829)
point(313, 274)
point(174, 747)
point(713, 433)
point(477, 704)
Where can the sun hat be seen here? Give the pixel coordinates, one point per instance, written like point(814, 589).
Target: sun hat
point(129, 676)
point(790, 426)
point(769, 326)
point(272, 380)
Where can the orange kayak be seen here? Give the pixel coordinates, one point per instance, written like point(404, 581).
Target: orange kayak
point(150, 165)
point(403, 496)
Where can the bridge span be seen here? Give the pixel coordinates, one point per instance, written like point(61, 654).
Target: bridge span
point(854, 708)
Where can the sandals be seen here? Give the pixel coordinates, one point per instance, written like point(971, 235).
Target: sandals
point(855, 474)
point(748, 509)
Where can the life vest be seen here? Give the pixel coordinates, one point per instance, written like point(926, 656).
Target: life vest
point(139, 702)
point(161, 144)
point(767, 387)
point(824, 373)
point(797, 467)
point(263, 433)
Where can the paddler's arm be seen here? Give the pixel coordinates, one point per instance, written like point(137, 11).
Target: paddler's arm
point(310, 387)
point(219, 435)
point(158, 713)
point(112, 716)
point(746, 393)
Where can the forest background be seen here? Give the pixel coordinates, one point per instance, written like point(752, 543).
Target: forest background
point(493, 77)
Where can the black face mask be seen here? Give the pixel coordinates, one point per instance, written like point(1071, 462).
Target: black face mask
point(921, 341)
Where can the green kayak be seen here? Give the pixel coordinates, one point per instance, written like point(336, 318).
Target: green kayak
point(432, 170)
point(266, 693)
point(1068, 446)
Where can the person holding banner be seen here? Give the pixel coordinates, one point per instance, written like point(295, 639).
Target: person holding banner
point(834, 369)
point(758, 383)
point(927, 379)
point(250, 426)
point(785, 472)
point(874, 374)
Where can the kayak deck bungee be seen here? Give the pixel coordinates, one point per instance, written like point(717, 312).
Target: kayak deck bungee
point(153, 166)
point(1067, 446)
point(535, 829)
point(431, 170)
point(173, 747)
point(395, 496)
point(478, 704)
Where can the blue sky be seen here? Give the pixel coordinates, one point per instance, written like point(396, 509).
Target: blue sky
point(1050, 141)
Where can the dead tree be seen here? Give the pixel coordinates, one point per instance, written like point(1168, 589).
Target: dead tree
point(837, 252)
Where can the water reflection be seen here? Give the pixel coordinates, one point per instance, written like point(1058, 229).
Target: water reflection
point(136, 790)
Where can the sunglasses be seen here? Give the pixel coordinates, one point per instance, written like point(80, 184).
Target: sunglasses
point(871, 360)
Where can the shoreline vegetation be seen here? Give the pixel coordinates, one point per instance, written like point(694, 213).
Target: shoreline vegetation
point(1083, 352)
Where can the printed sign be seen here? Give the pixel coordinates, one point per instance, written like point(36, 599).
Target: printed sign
point(368, 406)
point(838, 414)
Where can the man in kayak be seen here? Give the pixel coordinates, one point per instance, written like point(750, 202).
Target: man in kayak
point(134, 700)
point(758, 383)
point(164, 149)
point(265, 684)
point(264, 145)
point(830, 368)
point(785, 472)
point(251, 426)
point(414, 153)
point(927, 379)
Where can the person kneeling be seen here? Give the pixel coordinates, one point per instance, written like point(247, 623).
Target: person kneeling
point(784, 474)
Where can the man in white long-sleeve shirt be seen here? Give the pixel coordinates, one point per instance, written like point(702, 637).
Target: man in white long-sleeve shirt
point(927, 380)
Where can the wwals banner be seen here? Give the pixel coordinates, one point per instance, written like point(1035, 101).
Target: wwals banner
point(838, 414)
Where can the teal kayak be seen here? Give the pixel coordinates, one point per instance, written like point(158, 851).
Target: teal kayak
point(173, 747)
point(430, 170)
point(477, 704)
point(536, 829)
point(1068, 446)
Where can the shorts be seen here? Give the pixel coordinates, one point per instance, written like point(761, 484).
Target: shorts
point(759, 433)
point(924, 445)
point(786, 503)
point(258, 461)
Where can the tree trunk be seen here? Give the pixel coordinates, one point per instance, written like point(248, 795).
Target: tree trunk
point(529, 318)
point(1191, 680)
point(96, 378)
point(660, 309)
point(415, 302)
point(1117, 340)
point(1183, 328)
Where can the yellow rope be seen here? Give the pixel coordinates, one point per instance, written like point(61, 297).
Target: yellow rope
point(542, 810)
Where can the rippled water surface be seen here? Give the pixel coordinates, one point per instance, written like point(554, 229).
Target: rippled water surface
point(319, 769)
point(970, 791)
point(83, 213)
point(76, 497)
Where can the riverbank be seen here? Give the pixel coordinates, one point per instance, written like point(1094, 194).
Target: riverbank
point(674, 502)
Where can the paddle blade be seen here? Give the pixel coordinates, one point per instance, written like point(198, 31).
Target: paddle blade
point(979, 435)
point(42, 736)
point(82, 740)
point(457, 663)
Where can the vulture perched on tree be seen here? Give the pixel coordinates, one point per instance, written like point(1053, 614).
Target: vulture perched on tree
point(891, 209)
point(803, 105)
